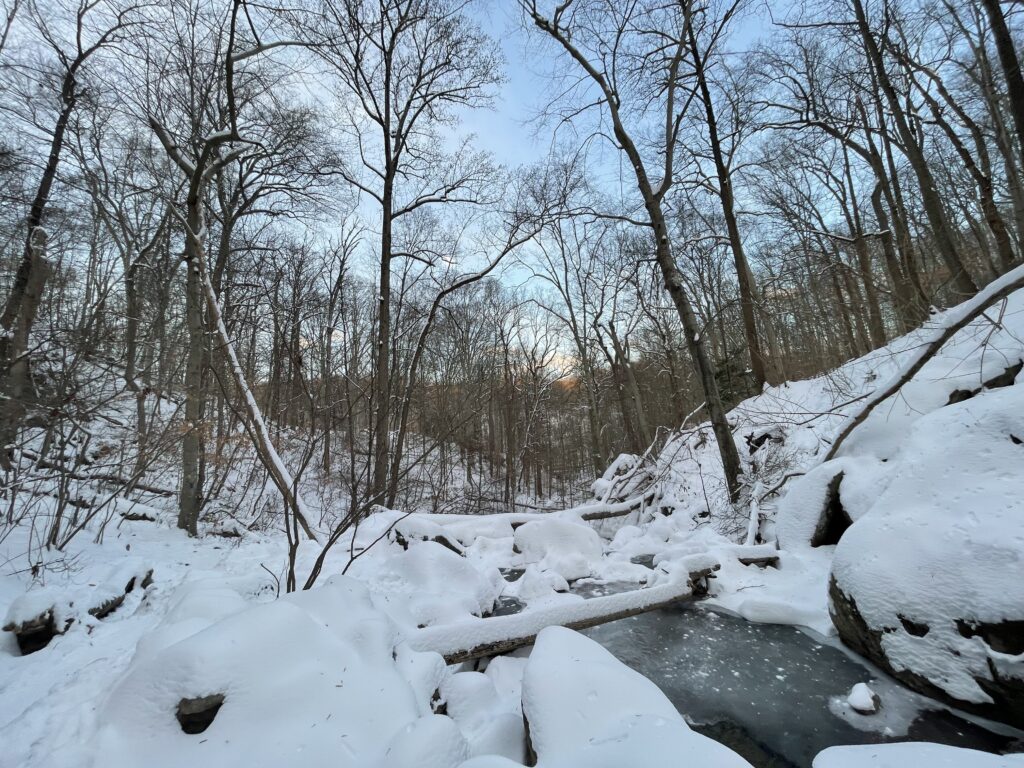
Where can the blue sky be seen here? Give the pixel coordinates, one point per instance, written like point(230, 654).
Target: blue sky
point(503, 130)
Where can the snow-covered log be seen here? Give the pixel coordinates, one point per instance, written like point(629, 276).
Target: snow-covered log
point(500, 634)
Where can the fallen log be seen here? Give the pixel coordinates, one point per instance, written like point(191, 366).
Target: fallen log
point(589, 512)
point(466, 641)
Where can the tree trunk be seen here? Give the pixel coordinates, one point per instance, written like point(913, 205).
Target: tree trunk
point(190, 498)
point(1011, 65)
point(744, 279)
point(382, 358)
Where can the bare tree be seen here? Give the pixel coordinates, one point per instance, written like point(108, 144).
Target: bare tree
point(96, 25)
point(613, 65)
point(405, 66)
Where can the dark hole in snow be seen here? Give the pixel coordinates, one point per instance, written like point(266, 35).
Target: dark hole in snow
point(915, 628)
point(959, 395)
point(196, 715)
point(755, 441)
point(1016, 440)
point(1005, 637)
point(36, 633)
point(438, 705)
point(834, 520)
point(512, 574)
point(1005, 379)
point(505, 605)
point(647, 561)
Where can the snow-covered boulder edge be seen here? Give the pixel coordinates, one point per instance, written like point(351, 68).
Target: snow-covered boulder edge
point(929, 583)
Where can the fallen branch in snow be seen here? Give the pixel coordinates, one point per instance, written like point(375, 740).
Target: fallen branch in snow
point(778, 486)
point(501, 634)
point(954, 321)
point(588, 512)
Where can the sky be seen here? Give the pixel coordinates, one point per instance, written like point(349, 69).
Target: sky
point(503, 130)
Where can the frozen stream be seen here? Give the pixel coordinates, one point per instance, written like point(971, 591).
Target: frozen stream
point(773, 693)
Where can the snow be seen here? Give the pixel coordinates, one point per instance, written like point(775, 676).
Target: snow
point(74, 604)
point(32, 604)
point(564, 547)
point(801, 508)
point(428, 584)
point(586, 708)
point(346, 673)
point(433, 741)
point(290, 666)
point(912, 754)
point(536, 588)
point(491, 727)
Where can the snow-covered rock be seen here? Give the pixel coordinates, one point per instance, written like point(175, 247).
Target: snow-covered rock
point(472, 701)
point(562, 546)
point(822, 504)
point(429, 584)
point(536, 587)
point(312, 677)
point(929, 583)
point(862, 699)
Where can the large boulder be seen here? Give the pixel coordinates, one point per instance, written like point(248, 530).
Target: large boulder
point(929, 583)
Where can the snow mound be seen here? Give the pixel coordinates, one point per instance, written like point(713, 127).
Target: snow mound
point(433, 741)
point(862, 698)
point(912, 754)
point(562, 546)
point(313, 674)
point(428, 584)
point(473, 702)
point(536, 587)
point(586, 708)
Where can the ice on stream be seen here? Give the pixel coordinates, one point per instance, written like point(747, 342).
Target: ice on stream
point(772, 692)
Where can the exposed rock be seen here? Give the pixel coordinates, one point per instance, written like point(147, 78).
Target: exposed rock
point(40, 615)
point(1005, 637)
point(196, 715)
point(1004, 379)
point(35, 633)
point(1007, 693)
point(822, 504)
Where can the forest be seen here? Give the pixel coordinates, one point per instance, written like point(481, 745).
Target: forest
point(475, 319)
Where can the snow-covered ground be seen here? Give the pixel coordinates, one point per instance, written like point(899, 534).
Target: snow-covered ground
point(349, 672)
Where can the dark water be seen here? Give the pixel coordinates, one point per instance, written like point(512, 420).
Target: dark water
point(764, 690)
